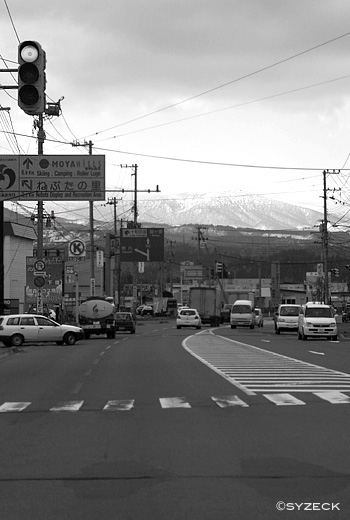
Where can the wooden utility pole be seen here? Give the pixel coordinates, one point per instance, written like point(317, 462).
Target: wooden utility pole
point(92, 235)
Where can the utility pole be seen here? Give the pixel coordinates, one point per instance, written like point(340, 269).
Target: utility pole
point(200, 237)
point(134, 167)
point(116, 269)
point(92, 236)
point(2, 273)
point(325, 237)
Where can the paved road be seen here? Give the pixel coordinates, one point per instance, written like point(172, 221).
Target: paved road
point(162, 425)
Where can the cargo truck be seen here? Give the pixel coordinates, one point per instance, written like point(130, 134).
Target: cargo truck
point(207, 301)
point(97, 316)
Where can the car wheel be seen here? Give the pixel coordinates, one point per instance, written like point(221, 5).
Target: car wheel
point(199, 327)
point(17, 340)
point(303, 336)
point(87, 335)
point(70, 338)
point(278, 331)
point(233, 326)
point(335, 338)
point(178, 327)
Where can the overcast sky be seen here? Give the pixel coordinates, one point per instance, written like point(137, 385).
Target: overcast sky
point(200, 94)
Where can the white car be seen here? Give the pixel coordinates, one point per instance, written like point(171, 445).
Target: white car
point(16, 329)
point(287, 317)
point(188, 318)
point(317, 320)
point(259, 319)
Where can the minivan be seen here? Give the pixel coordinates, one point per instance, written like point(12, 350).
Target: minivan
point(317, 320)
point(287, 317)
point(242, 314)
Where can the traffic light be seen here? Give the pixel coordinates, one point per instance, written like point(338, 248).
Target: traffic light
point(218, 267)
point(31, 78)
point(335, 271)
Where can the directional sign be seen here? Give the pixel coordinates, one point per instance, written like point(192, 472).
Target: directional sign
point(142, 245)
point(52, 177)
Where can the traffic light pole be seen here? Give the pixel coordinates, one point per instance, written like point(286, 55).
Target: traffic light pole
point(40, 230)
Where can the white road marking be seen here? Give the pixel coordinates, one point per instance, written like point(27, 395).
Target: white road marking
point(102, 353)
point(120, 405)
point(67, 406)
point(283, 399)
point(14, 407)
point(314, 352)
point(254, 369)
point(334, 397)
point(226, 401)
point(95, 361)
point(174, 402)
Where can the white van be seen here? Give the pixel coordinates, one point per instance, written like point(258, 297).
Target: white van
point(317, 320)
point(287, 317)
point(242, 314)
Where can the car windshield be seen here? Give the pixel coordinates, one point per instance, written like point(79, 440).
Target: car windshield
point(188, 313)
point(123, 316)
point(318, 312)
point(289, 311)
point(241, 309)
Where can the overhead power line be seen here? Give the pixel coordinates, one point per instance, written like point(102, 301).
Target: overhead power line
point(258, 71)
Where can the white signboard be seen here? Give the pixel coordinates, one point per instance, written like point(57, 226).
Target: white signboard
point(52, 177)
point(76, 249)
point(99, 258)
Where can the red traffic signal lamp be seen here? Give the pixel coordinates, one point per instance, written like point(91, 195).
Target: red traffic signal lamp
point(31, 78)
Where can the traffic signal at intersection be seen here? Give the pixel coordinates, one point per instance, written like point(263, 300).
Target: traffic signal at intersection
point(31, 78)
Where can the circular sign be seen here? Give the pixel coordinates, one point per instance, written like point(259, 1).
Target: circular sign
point(39, 265)
point(39, 281)
point(77, 248)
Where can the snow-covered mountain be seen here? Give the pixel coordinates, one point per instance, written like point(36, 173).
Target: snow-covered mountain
point(255, 212)
point(252, 212)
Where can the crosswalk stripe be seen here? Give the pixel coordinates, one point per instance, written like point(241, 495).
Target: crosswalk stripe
point(174, 402)
point(226, 401)
point(283, 399)
point(253, 369)
point(334, 397)
point(14, 407)
point(119, 405)
point(67, 406)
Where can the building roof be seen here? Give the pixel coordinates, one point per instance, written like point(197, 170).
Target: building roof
point(18, 230)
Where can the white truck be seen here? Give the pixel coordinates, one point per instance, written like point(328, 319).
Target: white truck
point(97, 316)
point(207, 301)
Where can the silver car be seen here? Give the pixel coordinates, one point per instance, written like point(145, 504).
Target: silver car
point(188, 318)
point(16, 329)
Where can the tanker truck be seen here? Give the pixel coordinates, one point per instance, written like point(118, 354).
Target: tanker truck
point(97, 316)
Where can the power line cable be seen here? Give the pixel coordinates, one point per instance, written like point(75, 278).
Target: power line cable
point(226, 84)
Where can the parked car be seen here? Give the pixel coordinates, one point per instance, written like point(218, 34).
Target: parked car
point(188, 318)
point(225, 312)
point(287, 316)
point(259, 319)
point(16, 329)
point(125, 321)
